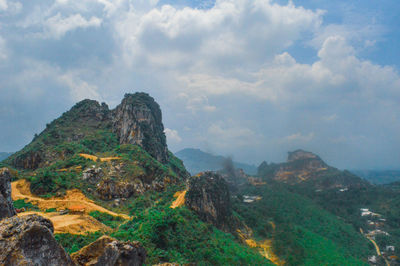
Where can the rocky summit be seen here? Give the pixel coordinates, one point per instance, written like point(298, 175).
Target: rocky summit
point(137, 120)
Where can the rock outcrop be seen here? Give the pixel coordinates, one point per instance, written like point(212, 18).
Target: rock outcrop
point(29, 240)
point(208, 195)
point(107, 251)
point(6, 204)
point(137, 120)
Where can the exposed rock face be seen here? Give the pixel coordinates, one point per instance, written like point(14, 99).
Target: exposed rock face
point(29, 240)
point(137, 120)
point(107, 251)
point(6, 204)
point(301, 155)
point(29, 160)
point(92, 175)
point(109, 189)
point(301, 166)
point(208, 195)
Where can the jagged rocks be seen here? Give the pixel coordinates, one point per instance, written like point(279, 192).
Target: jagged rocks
point(109, 189)
point(107, 251)
point(208, 195)
point(92, 175)
point(6, 204)
point(29, 240)
point(137, 120)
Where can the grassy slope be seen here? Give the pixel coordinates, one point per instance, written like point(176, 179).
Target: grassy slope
point(173, 235)
point(304, 231)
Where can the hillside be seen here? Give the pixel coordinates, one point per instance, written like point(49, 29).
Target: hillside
point(96, 171)
point(196, 161)
point(372, 209)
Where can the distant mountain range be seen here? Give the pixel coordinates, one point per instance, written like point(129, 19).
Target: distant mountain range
point(196, 160)
point(379, 176)
point(4, 155)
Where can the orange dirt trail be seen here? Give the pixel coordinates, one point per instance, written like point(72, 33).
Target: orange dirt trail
point(95, 158)
point(71, 223)
point(180, 199)
point(20, 190)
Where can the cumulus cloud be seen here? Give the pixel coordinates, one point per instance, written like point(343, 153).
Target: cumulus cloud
point(58, 26)
point(228, 71)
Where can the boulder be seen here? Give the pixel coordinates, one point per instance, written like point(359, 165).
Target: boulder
point(29, 240)
point(208, 195)
point(107, 251)
point(6, 204)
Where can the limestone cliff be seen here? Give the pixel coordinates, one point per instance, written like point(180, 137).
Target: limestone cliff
point(137, 120)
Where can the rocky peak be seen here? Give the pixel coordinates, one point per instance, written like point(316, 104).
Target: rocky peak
point(90, 109)
point(6, 204)
point(29, 240)
point(208, 195)
point(138, 120)
point(301, 155)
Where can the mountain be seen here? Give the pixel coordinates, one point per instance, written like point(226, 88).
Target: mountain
point(102, 186)
point(379, 176)
point(4, 155)
point(111, 169)
point(196, 161)
point(307, 169)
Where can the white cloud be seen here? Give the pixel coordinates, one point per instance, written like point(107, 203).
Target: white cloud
point(58, 26)
point(231, 32)
point(3, 5)
point(172, 135)
point(79, 89)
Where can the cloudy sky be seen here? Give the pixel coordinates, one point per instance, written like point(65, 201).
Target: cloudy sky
point(248, 78)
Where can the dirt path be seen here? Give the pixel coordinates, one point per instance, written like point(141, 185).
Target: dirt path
point(180, 199)
point(20, 190)
point(71, 223)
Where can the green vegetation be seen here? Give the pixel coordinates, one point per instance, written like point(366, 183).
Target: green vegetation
point(304, 231)
point(73, 243)
point(19, 204)
point(177, 235)
point(107, 219)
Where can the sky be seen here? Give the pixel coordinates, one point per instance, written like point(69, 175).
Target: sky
point(252, 79)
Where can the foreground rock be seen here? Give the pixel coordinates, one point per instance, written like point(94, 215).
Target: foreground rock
point(29, 240)
point(208, 195)
point(6, 205)
point(107, 251)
